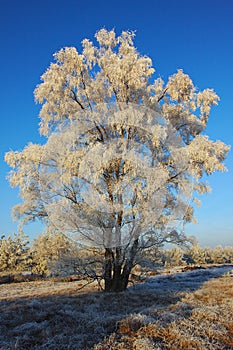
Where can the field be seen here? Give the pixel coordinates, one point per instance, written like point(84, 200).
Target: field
point(180, 310)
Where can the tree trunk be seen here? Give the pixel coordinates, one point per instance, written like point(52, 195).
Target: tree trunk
point(117, 270)
point(108, 270)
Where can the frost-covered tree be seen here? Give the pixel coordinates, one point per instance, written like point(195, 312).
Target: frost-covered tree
point(123, 151)
point(207, 253)
point(195, 255)
point(6, 253)
point(14, 253)
point(173, 257)
point(228, 253)
point(218, 255)
point(49, 250)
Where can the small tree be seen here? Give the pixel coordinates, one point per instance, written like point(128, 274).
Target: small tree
point(218, 255)
point(48, 252)
point(6, 253)
point(14, 253)
point(208, 255)
point(228, 253)
point(122, 154)
point(173, 257)
point(195, 255)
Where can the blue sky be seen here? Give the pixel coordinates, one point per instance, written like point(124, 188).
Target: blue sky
point(195, 35)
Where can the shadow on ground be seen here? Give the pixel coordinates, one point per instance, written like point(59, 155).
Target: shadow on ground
point(77, 321)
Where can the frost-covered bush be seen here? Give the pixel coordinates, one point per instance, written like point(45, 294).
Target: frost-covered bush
point(55, 254)
point(14, 253)
point(173, 257)
point(217, 255)
point(48, 251)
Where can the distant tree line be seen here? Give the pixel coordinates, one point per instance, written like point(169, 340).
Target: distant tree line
point(197, 255)
point(53, 254)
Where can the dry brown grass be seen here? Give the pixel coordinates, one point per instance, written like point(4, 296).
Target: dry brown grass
point(173, 313)
point(199, 321)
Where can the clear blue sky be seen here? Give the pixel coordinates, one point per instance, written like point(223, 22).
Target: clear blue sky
point(195, 35)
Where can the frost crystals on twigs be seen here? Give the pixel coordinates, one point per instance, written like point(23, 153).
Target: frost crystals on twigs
point(118, 173)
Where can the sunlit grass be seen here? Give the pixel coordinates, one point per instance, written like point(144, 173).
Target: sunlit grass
point(200, 320)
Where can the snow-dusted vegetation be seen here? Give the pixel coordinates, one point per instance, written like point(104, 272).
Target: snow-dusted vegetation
point(189, 310)
point(52, 254)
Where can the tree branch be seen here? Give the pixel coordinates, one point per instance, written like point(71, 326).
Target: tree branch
point(162, 95)
point(76, 99)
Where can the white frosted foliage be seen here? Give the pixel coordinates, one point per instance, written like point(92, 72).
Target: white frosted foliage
point(124, 155)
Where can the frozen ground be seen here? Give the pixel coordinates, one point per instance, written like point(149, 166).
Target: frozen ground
point(186, 281)
point(48, 315)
